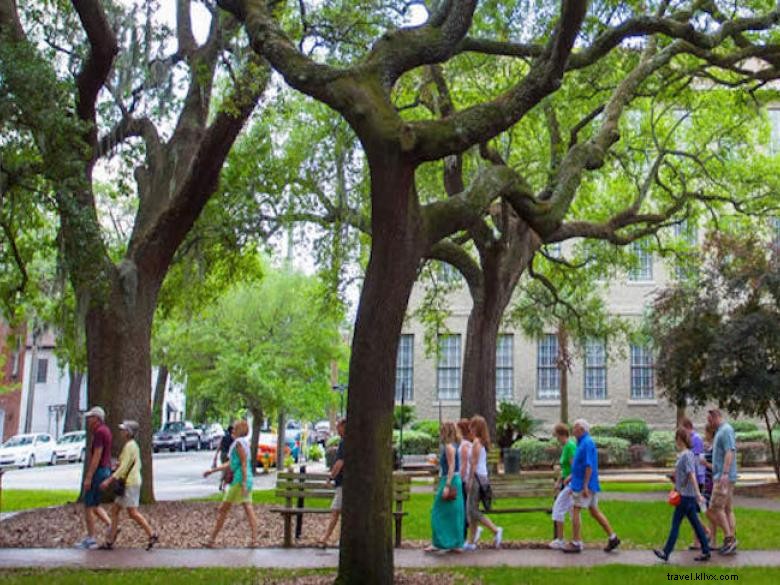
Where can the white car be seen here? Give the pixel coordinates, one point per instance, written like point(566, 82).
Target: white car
point(71, 447)
point(27, 450)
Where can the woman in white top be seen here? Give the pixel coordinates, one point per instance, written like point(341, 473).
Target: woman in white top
point(464, 453)
point(478, 475)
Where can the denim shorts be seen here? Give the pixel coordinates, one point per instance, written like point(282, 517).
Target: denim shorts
point(94, 496)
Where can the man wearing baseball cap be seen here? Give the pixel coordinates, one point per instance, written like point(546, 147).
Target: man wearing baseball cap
point(98, 470)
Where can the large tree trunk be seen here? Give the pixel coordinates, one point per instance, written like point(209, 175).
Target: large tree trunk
point(366, 553)
point(257, 424)
point(72, 414)
point(280, 441)
point(119, 362)
point(159, 395)
point(563, 368)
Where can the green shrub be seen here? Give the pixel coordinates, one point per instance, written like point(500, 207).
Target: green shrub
point(316, 453)
point(403, 416)
point(534, 452)
point(752, 436)
point(602, 431)
point(513, 422)
point(429, 427)
point(616, 449)
point(636, 432)
point(661, 446)
point(416, 443)
point(333, 441)
point(744, 426)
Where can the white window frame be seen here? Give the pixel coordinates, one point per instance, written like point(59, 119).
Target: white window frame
point(548, 376)
point(644, 271)
point(595, 369)
point(404, 367)
point(448, 372)
point(642, 373)
point(505, 345)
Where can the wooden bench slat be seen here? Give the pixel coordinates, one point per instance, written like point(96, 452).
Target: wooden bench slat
point(301, 510)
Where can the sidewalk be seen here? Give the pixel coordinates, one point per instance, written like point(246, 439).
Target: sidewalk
point(323, 559)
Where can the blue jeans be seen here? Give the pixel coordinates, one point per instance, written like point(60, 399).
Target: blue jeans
point(688, 508)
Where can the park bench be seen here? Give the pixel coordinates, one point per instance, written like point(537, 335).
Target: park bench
point(419, 466)
point(298, 487)
point(527, 484)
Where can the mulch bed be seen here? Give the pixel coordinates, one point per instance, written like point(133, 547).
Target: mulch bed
point(764, 490)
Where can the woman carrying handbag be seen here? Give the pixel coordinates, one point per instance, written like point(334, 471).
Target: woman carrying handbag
point(447, 517)
point(126, 483)
point(685, 498)
point(479, 486)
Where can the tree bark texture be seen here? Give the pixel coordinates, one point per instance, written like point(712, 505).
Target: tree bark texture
point(72, 414)
point(257, 424)
point(563, 368)
point(366, 552)
point(158, 402)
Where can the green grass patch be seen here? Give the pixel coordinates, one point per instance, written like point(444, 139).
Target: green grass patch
point(635, 488)
point(651, 575)
point(14, 500)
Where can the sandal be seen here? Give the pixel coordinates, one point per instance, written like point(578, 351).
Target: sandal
point(322, 544)
point(106, 546)
point(209, 544)
point(153, 539)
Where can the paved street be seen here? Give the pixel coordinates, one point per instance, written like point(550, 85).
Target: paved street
point(176, 476)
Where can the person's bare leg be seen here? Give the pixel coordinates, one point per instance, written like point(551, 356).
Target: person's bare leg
point(732, 520)
point(559, 531)
point(334, 519)
point(487, 523)
point(576, 524)
point(250, 515)
point(222, 513)
point(102, 515)
point(89, 520)
point(115, 510)
point(598, 515)
point(140, 520)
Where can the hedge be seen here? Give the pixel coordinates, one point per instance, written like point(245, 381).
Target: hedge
point(416, 443)
point(534, 452)
point(616, 449)
point(744, 426)
point(429, 427)
point(752, 436)
point(602, 431)
point(636, 432)
point(661, 446)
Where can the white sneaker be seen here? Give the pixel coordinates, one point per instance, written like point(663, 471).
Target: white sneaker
point(498, 537)
point(557, 544)
point(477, 534)
point(88, 543)
point(469, 546)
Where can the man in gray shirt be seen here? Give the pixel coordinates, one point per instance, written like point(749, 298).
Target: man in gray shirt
point(724, 476)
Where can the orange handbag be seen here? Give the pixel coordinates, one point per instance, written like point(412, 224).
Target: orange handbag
point(674, 498)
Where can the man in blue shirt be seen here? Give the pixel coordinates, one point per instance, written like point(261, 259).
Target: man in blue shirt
point(585, 488)
point(724, 476)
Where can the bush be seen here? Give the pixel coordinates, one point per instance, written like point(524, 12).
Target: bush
point(602, 431)
point(513, 422)
point(316, 453)
point(661, 446)
point(752, 436)
point(636, 432)
point(429, 427)
point(402, 416)
point(616, 450)
point(333, 441)
point(534, 452)
point(744, 426)
point(416, 443)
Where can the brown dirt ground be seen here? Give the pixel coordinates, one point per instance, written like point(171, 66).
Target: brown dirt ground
point(764, 490)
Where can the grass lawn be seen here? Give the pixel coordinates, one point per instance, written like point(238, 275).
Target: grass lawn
point(13, 500)
point(629, 487)
point(466, 576)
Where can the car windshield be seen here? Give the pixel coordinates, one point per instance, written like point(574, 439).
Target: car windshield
point(172, 426)
point(19, 441)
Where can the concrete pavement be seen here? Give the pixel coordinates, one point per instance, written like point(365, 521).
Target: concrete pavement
point(314, 559)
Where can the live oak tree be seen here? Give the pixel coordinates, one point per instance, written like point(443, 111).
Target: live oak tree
point(403, 228)
point(107, 85)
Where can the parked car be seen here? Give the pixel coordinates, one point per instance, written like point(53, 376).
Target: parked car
point(266, 448)
point(210, 435)
point(176, 435)
point(322, 432)
point(71, 447)
point(27, 450)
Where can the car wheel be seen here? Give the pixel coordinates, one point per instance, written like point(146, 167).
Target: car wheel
point(156, 449)
point(183, 445)
point(53, 460)
point(31, 461)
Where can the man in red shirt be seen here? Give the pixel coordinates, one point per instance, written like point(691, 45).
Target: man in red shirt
point(98, 469)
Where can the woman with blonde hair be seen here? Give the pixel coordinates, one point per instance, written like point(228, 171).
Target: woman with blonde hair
point(464, 453)
point(447, 513)
point(240, 490)
point(479, 480)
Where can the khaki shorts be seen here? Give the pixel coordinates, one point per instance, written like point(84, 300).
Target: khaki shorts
point(580, 501)
point(721, 496)
point(335, 505)
point(131, 497)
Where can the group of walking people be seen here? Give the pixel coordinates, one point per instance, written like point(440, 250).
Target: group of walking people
point(456, 519)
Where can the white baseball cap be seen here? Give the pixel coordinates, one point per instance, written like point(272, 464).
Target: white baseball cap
point(96, 411)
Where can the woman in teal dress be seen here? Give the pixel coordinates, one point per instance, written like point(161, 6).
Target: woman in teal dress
point(447, 516)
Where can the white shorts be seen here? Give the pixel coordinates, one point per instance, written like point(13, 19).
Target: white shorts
point(336, 503)
point(580, 501)
point(131, 497)
point(563, 504)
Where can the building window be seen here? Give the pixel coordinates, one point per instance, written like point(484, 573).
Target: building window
point(642, 373)
point(554, 250)
point(643, 271)
point(687, 232)
point(404, 368)
point(774, 122)
point(43, 367)
point(448, 273)
point(548, 377)
point(448, 378)
point(595, 369)
point(504, 369)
